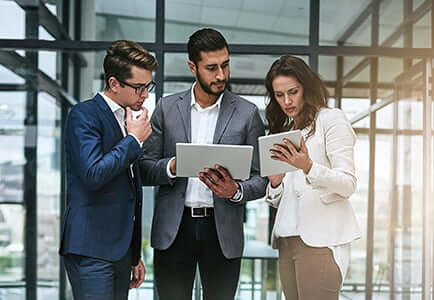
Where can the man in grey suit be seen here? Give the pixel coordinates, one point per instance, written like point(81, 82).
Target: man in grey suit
point(199, 221)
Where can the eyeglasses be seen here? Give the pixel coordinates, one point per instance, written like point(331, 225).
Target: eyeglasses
point(140, 88)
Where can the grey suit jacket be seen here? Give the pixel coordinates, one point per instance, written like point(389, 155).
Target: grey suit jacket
point(238, 123)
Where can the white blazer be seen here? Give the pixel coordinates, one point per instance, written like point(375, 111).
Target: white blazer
point(323, 215)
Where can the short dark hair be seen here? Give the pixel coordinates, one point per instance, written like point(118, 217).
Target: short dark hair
point(122, 55)
point(205, 39)
point(315, 94)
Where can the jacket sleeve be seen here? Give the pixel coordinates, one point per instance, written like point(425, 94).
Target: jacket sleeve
point(84, 145)
point(254, 187)
point(339, 139)
point(153, 167)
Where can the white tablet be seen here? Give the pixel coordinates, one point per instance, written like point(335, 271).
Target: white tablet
point(191, 159)
point(272, 167)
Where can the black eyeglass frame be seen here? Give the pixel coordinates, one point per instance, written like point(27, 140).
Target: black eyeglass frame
point(140, 88)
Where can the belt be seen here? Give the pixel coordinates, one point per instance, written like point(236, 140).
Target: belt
point(199, 212)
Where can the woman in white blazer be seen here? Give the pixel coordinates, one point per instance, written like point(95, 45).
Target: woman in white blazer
point(315, 222)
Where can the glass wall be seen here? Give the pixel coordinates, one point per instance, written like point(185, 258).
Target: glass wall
point(241, 22)
point(12, 212)
point(48, 193)
point(114, 20)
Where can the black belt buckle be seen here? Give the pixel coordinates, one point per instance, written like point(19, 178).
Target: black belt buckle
point(201, 212)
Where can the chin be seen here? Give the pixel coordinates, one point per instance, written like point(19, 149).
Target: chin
point(218, 91)
point(136, 108)
point(291, 115)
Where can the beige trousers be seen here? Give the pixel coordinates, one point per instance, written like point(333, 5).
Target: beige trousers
point(307, 273)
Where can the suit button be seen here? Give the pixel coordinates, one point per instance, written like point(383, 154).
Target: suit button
point(134, 218)
point(297, 193)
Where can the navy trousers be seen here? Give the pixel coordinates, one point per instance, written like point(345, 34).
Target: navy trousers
point(97, 279)
point(196, 244)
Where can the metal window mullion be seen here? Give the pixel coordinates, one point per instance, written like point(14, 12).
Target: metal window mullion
point(77, 4)
point(307, 50)
point(372, 140)
point(30, 154)
point(432, 99)
point(430, 93)
point(314, 34)
point(62, 272)
point(339, 80)
point(406, 199)
point(63, 110)
point(12, 87)
point(371, 187)
point(393, 199)
point(159, 47)
point(159, 76)
point(427, 183)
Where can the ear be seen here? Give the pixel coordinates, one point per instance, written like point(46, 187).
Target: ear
point(192, 67)
point(113, 84)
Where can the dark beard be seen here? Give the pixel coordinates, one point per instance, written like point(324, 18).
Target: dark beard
point(206, 88)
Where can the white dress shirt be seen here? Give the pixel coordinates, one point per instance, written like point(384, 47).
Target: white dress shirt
point(315, 206)
point(203, 123)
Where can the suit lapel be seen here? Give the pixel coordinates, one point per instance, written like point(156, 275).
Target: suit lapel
point(226, 110)
point(109, 116)
point(113, 123)
point(184, 106)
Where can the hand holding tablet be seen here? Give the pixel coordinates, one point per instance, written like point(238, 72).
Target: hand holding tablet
point(191, 159)
point(268, 165)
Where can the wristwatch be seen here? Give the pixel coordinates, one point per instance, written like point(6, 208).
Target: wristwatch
point(238, 194)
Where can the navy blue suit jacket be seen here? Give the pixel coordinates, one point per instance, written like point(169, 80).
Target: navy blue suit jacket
point(103, 211)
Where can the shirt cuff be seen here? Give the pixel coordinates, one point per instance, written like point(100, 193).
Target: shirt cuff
point(313, 173)
point(241, 195)
point(134, 136)
point(169, 174)
point(274, 193)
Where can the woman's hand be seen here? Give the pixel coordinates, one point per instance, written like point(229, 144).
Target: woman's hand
point(288, 153)
point(276, 180)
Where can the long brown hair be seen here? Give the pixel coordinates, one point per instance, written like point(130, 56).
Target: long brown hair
point(315, 95)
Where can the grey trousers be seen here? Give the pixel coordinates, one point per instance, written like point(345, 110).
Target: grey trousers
point(307, 273)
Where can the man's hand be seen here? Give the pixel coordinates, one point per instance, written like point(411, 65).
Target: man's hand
point(172, 166)
point(140, 127)
point(276, 180)
point(219, 181)
point(137, 275)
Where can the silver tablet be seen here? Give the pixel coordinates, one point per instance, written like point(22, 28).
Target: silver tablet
point(191, 159)
point(269, 166)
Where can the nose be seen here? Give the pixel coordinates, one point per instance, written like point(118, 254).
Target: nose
point(288, 99)
point(145, 94)
point(220, 74)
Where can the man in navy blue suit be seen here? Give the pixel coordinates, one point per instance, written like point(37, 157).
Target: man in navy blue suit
point(101, 239)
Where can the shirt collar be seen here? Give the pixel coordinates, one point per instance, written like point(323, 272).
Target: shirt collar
point(113, 105)
point(193, 102)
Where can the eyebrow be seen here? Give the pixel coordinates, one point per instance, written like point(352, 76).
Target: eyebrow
point(291, 88)
point(139, 83)
point(225, 62)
